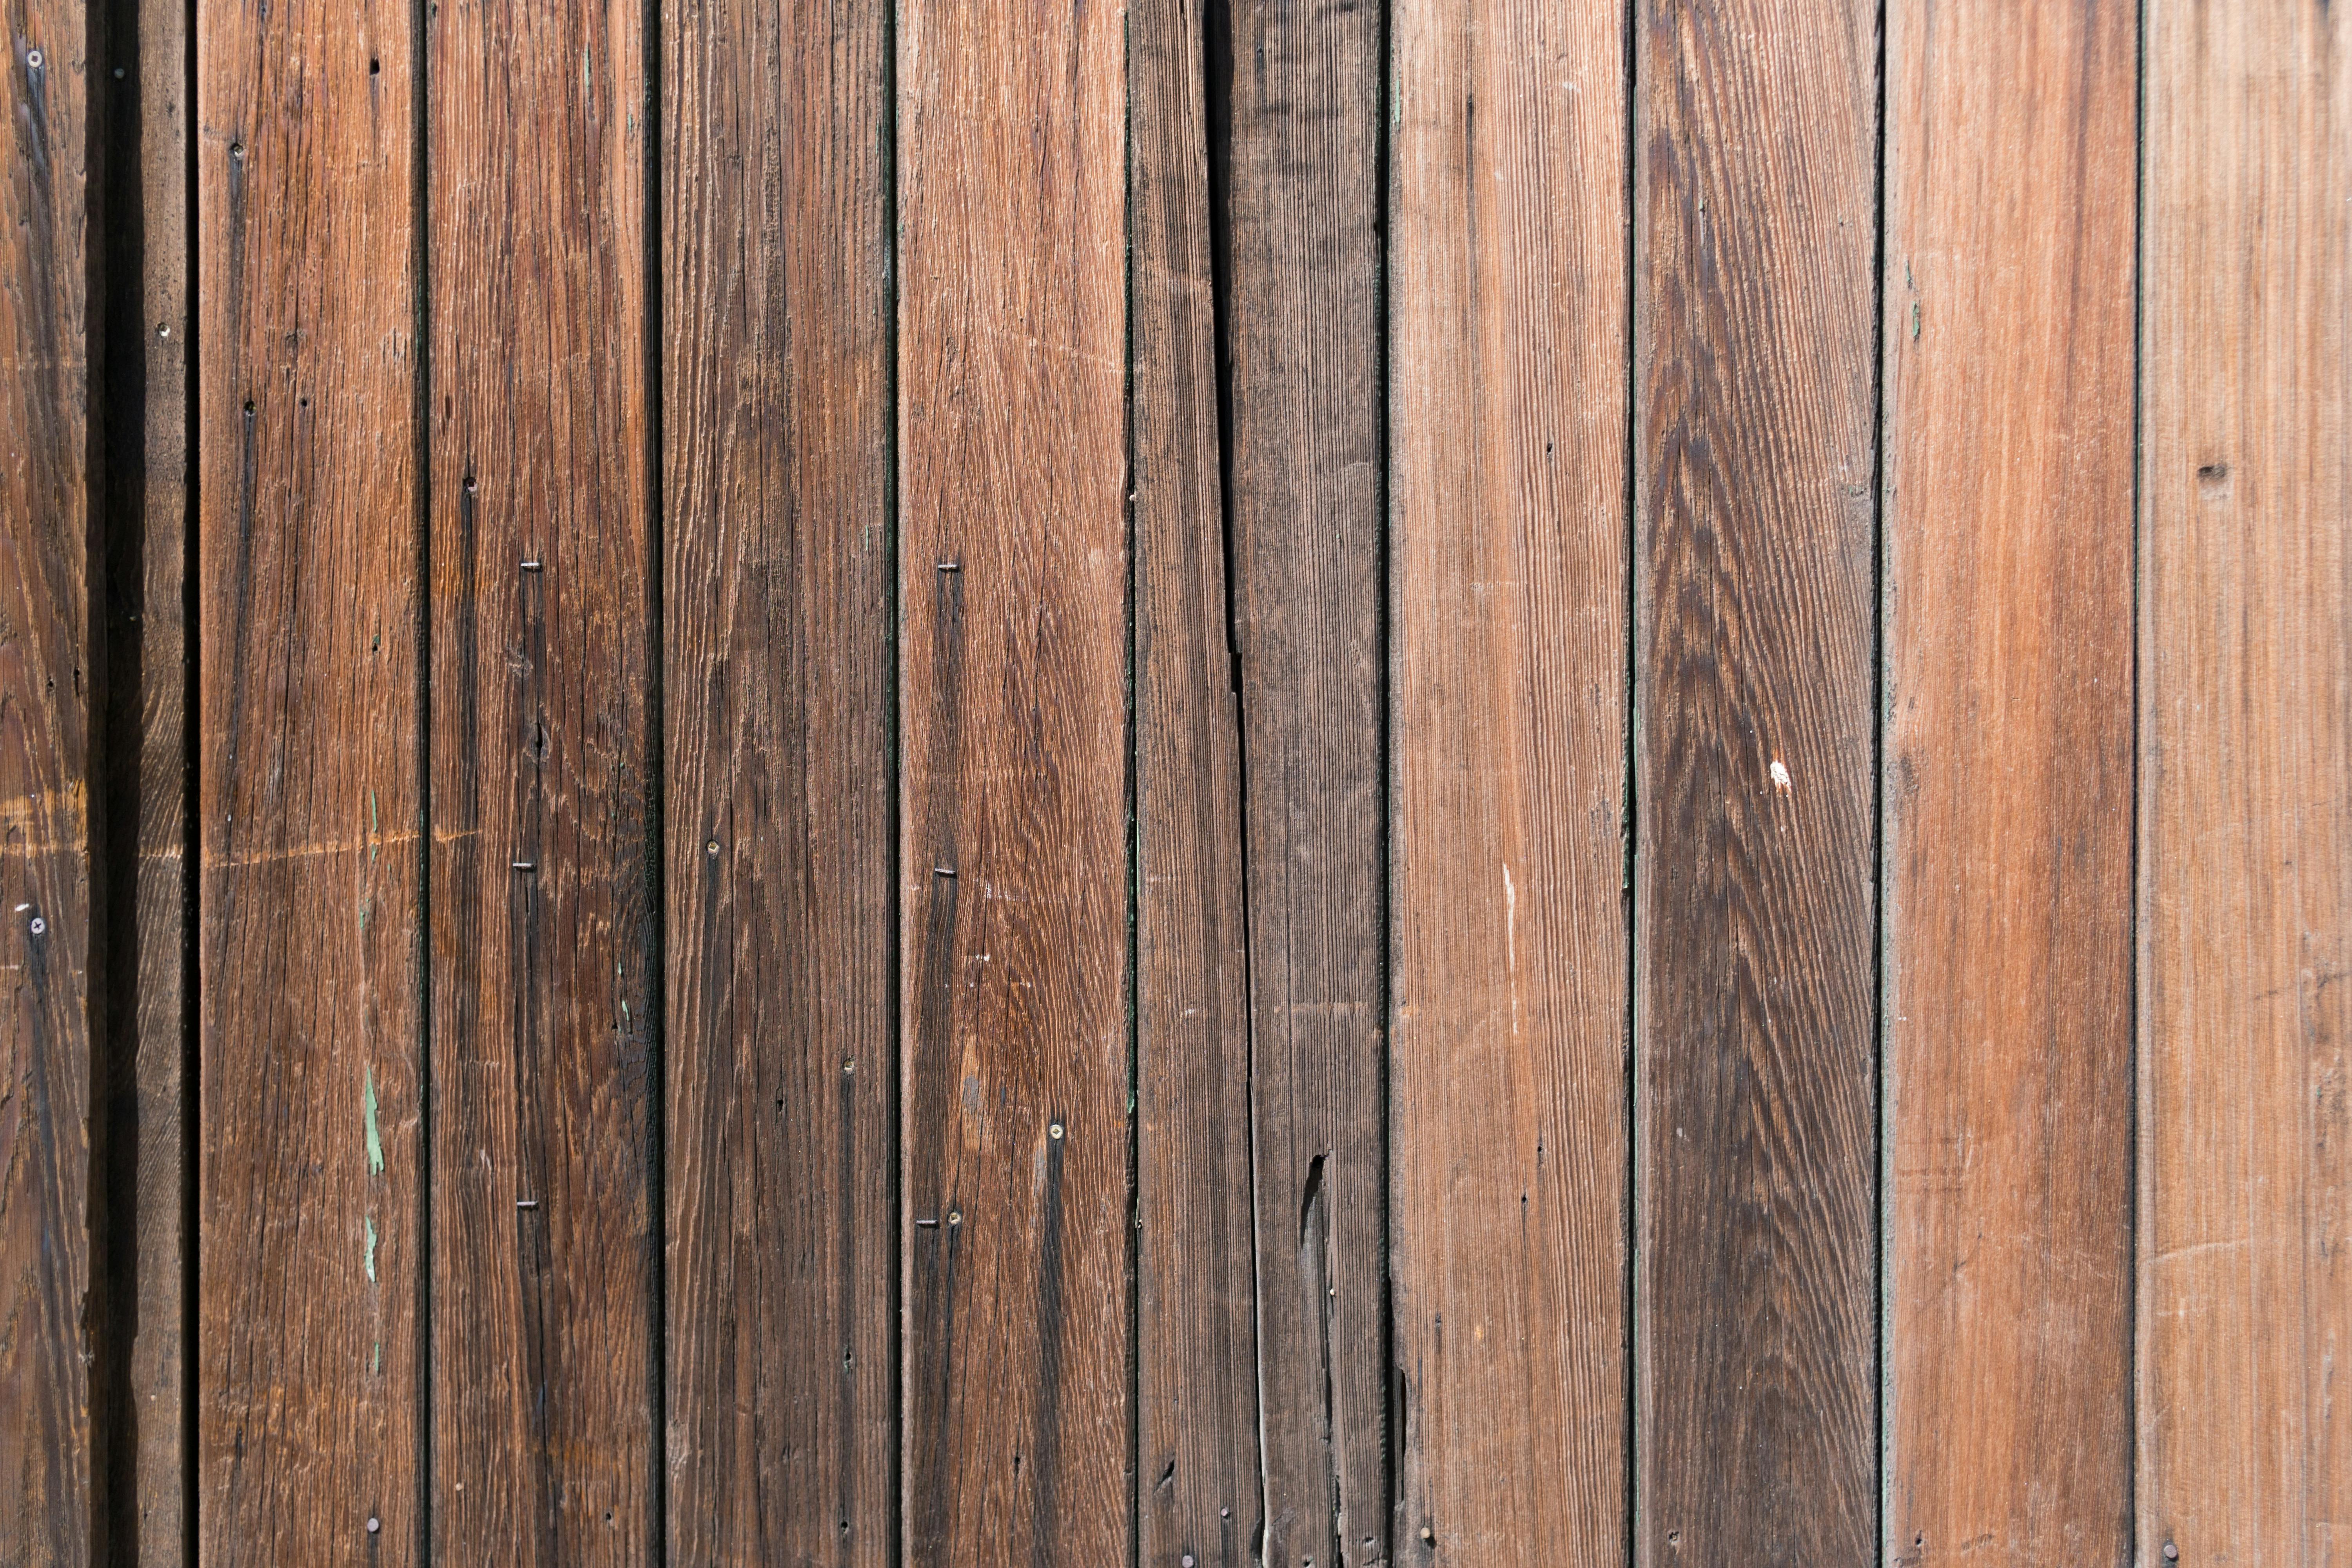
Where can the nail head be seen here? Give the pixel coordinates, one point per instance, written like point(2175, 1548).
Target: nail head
point(32, 59)
point(374, 1524)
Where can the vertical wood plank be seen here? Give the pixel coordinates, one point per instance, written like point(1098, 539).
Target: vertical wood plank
point(311, 1206)
point(1754, 886)
point(779, 782)
point(45, 746)
point(2012, 169)
point(1196, 1327)
point(2246, 848)
point(1014, 862)
point(1298, 91)
point(542, 857)
point(1511, 1137)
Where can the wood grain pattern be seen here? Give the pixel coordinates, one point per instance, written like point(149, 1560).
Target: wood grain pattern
point(2008, 758)
point(310, 815)
point(1510, 1135)
point(543, 857)
point(1756, 1157)
point(781, 1051)
point(1297, 88)
point(1195, 1283)
point(2245, 1281)
point(45, 759)
point(1013, 867)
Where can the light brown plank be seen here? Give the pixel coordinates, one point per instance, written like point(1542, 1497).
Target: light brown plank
point(309, 817)
point(1508, 294)
point(2245, 1275)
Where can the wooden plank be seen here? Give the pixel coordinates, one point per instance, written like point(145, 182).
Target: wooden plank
point(1013, 867)
point(543, 852)
point(1300, 107)
point(782, 1331)
point(1510, 291)
point(310, 808)
point(2245, 1129)
point(1196, 1355)
point(2008, 759)
point(1754, 894)
point(45, 760)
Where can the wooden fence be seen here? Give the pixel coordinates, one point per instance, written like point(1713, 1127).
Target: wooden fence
point(1275, 781)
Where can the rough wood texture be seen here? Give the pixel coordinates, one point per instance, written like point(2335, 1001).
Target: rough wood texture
point(1297, 88)
point(1014, 865)
point(1754, 891)
point(44, 757)
point(310, 1202)
point(782, 1055)
point(2245, 1240)
point(1197, 1350)
point(2008, 758)
point(542, 857)
point(1510, 1137)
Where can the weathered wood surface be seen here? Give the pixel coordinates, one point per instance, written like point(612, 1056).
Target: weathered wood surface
point(544, 856)
point(1014, 863)
point(45, 786)
point(2008, 777)
point(1510, 1143)
point(779, 787)
point(1756, 209)
point(310, 808)
point(1197, 1353)
point(2246, 913)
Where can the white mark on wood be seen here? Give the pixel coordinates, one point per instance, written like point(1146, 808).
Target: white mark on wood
point(1781, 776)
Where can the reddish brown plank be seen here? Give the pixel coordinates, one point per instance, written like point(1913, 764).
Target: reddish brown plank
point(1013, 867)
point(1755, 212)
point(1510, 1139)
point(2008, 759)
point(310, 808)
point(1196, 1356)
point(542, 858)
point(782, 1330)
point(2245, 1118)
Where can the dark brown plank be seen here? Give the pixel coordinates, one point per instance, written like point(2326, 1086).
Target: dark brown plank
point(45, 760)
point(2245, 958)
point(309, 810)
point(2008, 760)
point(778, 622)
point(1297, 91)
point(1509, 290)
point(1755, 889)
point(1197, 1343)
point(542, 857)
point(1013, 866)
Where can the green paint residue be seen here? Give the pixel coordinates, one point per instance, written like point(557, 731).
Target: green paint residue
point(1914, 320)
point(374, 1142)
point(375, 1368)
point(372, 833)
point(370, 1222)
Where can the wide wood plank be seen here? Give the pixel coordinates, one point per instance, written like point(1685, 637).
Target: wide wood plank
point(781, 1051)
point(2008, 759)
point(1014, 865)
point(1754, 889)
point(2245, 1119)
point(543, 861)
point(45, 760)
point(1298, 101)
point(309, 810)
point(1510, 291)
point(1196, 1355)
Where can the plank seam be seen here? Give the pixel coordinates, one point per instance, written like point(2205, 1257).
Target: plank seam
point(1878, 1088)
point(420, 219)
point(656, 1153)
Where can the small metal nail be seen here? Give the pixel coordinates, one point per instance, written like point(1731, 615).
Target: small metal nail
point(526, 1203)
point(950, 565)
point(526, 865)
point(942, 870)
point(927, 1225)
point(2171, 1552)
point(374, 1524)
point(533, 565)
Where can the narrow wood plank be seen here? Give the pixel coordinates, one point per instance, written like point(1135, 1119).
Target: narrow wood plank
point(1510, 290)
point(1014, 866)
point(542, 858)
point(2008, 759)
point(2245, 1127)
point(44, 758)
point(781, 1054)
point(310, 806)
point(1755, 888)
point(1300, 102)
point(1197, 1354)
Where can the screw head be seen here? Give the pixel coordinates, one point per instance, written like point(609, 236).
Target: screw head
point(39, 925)
point(1055, 1131)
point(711, 848)
point(955, 1216)
point(32, 59)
